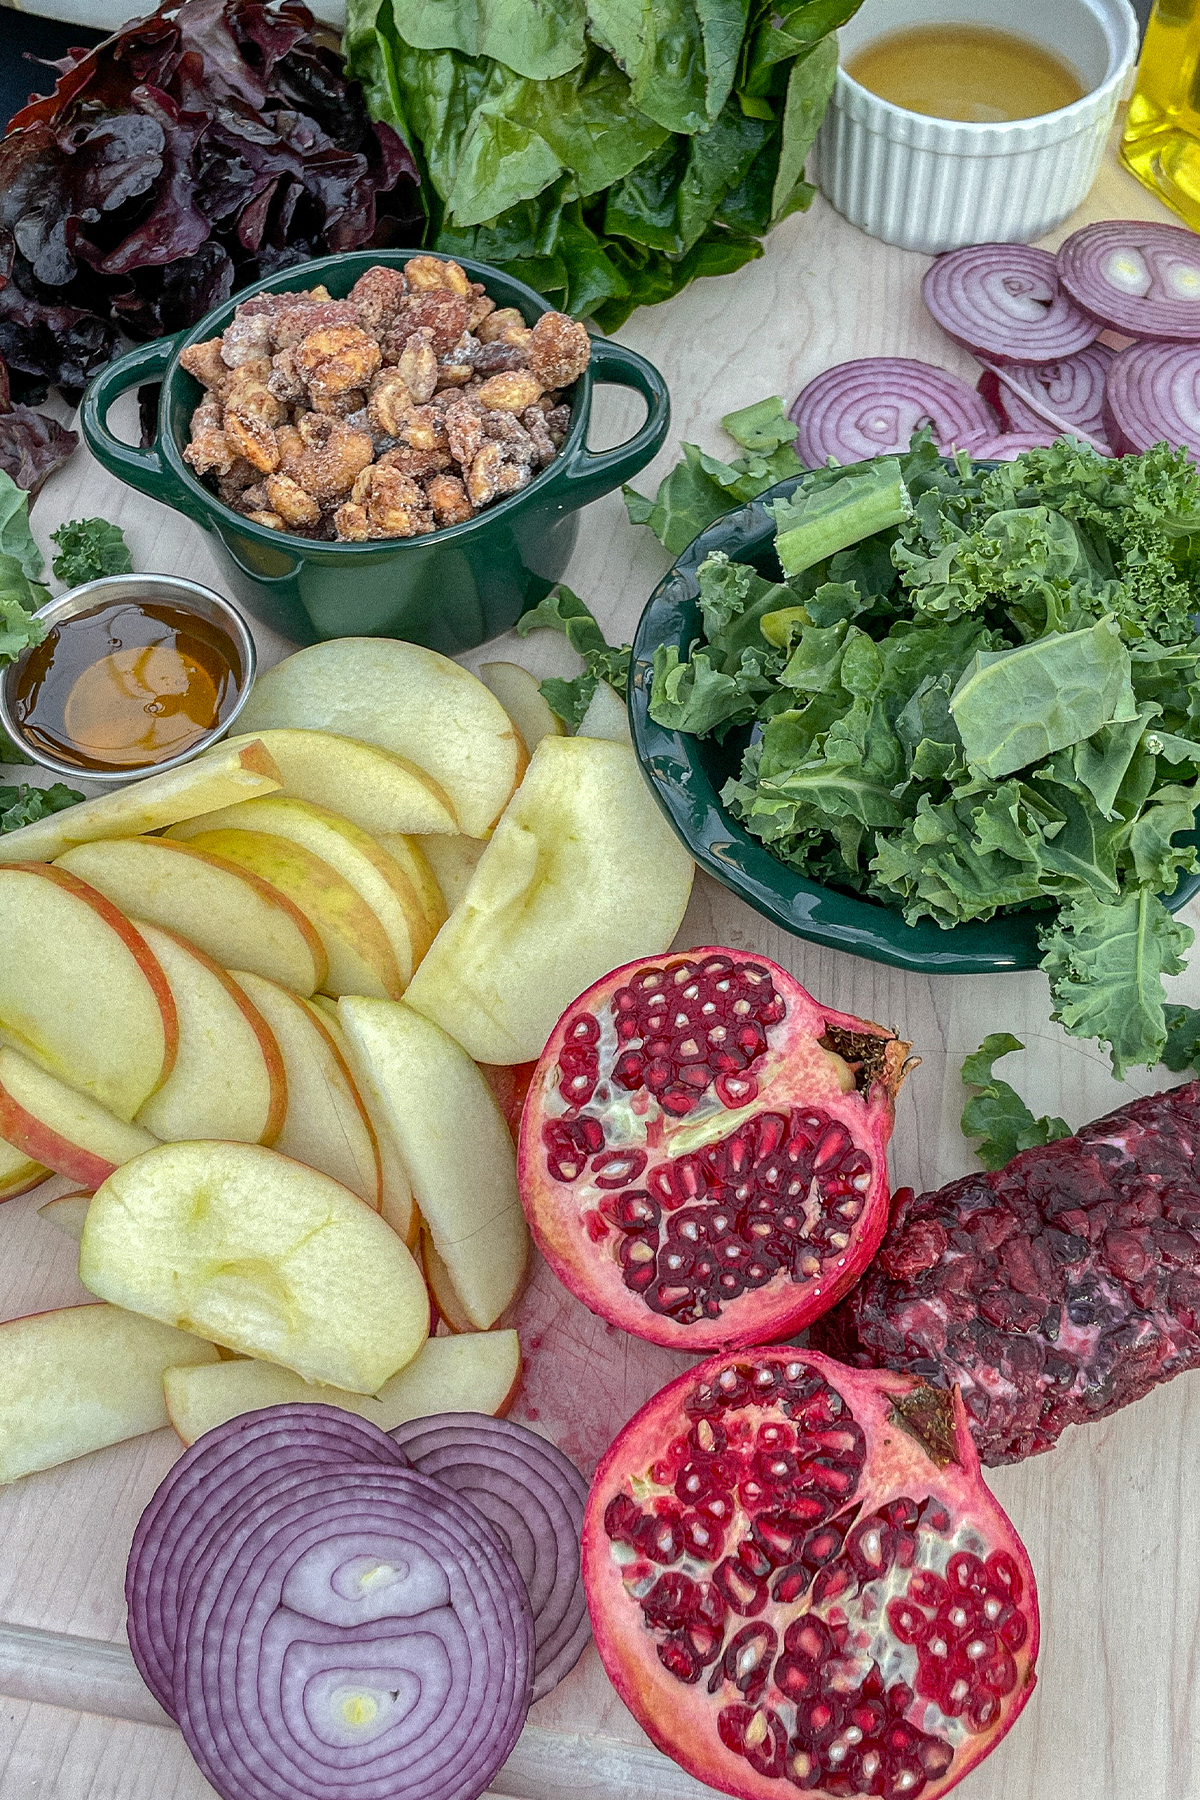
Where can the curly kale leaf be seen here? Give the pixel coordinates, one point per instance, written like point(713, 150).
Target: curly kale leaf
point(996, 1113)
point(564, 611)
point(23, 805)
point(88, 549)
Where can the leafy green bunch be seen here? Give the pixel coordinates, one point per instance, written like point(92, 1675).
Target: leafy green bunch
point(607, 152)
point(974, 692)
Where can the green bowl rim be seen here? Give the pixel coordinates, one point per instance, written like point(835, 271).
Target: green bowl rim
point(219, 316)
point(673, 763)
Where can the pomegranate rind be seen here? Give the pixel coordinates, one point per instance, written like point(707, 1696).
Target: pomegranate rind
point(681, 1720)
point(796, 1071)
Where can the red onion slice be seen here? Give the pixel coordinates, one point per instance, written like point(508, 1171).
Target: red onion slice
point(1152, 393)
point(533, 1496)
point(1068, 394)
point(1008, 445)
point(872, 407)
point(1004, 301)
point(1138, 278)
point(369, 1638)
point(198, 1494)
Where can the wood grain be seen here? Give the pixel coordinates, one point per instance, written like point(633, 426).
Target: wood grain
point(1109, 1516)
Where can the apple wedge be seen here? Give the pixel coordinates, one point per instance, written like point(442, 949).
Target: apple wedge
point(360, 957)
point(18, 1173)
point(74, 1380)
point(479, 1373)
point(80, 991)
point(455, 1145)
point(520, 694)
point(325, 1124)
point(373, 788)
point(353, 855)
point(231, 772)
point(228, 1080)
point(581, 874)
point(453, 861)
point(396, 1199)
point(415, 866)
point(408, 700)
point(446, 1303)
point(66, 1214)
point(254, 1251)
point(235, 917)
point(57, 1125)
point(606, 717)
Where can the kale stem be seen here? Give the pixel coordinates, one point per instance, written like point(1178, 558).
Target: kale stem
point(815, 525)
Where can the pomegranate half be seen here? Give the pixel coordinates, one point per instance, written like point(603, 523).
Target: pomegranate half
point(798, 1580)
point(703, 1149)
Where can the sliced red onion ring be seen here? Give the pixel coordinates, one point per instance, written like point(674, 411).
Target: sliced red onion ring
point(1138, 278)
point(533, 1496)
point(1004, 301)
point(198, 1495)
point(1068, 394)
point(1008, 445)
point(873, 406)
point(1152, 393)
point(369, 1638)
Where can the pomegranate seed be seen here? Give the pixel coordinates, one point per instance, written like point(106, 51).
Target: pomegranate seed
point(617, 1168)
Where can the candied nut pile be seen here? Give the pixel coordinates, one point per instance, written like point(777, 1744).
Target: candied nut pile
point(412, 403)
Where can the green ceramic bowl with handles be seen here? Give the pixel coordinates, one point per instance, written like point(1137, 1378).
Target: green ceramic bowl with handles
point(451, 589)
point(687, 773)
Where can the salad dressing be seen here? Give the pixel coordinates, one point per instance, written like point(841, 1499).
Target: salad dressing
point(126, 686)
point(967, 72)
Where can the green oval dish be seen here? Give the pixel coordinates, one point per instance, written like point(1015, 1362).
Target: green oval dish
point(450, 589)
point(687, 773)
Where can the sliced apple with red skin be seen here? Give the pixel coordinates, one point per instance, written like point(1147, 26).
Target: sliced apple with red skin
point(66, 1214)
point(456, 1147)
point(325, 1124)
point(261, 1254)
point(80, 990)
point(408, 700)
point(228, 1080)
point(446, 1303)
point(373, 788)
point(230, 773)
point(360, 958)
point(479, 1373)
point(396, 1197)
point(57, 1125)
point(234, 916)
point(80, 1378)
point(18, 1173)
point(453, 861)
point(520, 694)
point(353, 854)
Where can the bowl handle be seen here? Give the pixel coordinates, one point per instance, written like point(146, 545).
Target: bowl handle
point(144, 470)
point(591, 473)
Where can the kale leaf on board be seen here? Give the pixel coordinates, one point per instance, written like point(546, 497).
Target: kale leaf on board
point(996, 1113)
point(564, 611)
point(24, 805)
point(983, 700)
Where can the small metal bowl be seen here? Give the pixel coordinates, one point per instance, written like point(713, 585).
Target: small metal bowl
point(172, 590)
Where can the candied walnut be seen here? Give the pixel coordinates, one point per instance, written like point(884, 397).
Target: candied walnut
point(378, 295)
point(209, 448)
point(559, 350)
point(504, 429)
point(534, 421)
point(296, 322)
point(511, 476)
point(291, 447)
point(483, 479)
point(351, 523)
point(414, 462)
point(254, 498)
point(481, 306)
point(249, 396)
point(246, 338)
point(456, 369)
point(338, 358)
point(424, 428)
point(439, 311)
point(510, 392)
point(432, 272)
point(558, 423)
point(333, 457)
point(498, 357)
point(320, 292)
point(285, 380)
point(498, 326)
point(252, 439)
point(389, 401)
point(464, 431)
point(289, 500)
point(394, 505)
point(206, 363)
point(271, 520)
point(418, 365)
point(235, 481)
point(341, 402)
point(448, 499)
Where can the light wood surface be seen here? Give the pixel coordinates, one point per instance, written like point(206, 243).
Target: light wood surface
point(1110, 1516)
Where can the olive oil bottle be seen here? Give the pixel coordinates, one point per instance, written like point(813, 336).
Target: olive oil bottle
point(1161, 145)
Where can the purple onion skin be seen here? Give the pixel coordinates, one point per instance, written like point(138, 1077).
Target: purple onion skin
point(534, 1497)
point(1152, 394)
point(1166, 258)
point(1003, 301)
point(1067, 393)
point(872, 407)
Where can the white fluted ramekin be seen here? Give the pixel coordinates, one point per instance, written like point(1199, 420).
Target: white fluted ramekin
point(933, 184)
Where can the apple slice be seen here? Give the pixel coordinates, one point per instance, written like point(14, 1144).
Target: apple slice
point(360, 957)
point(325, 1124)
point(17, 1173)
point(80, 991)
point(57, 1125)
point(453, 861)
point(520, 695)
point(66, 1214)
point(352, 854)
point(254, 1251)
point(415, 866)
point(606, 717)
point(231, 772)
point(396, 1197)
point(77, 1379)
point(237, 918)
point(583, 873)
point(456, 1148)
point(446, 1302)
point(373, 788)
point(228, 1080)
point(480, 1373)
point(408, 700)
